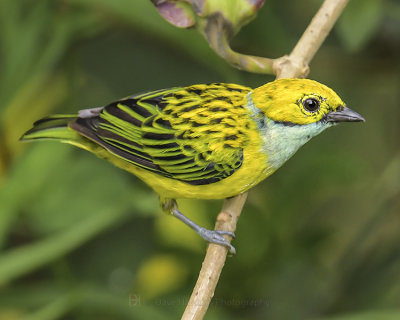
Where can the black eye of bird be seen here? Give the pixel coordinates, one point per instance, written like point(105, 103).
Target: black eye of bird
point(311, 104)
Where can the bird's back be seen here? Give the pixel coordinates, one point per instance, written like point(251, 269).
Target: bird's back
point(192, 137)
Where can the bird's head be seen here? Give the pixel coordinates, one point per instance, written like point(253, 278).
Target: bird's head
point(302, 101)
point(289, 112)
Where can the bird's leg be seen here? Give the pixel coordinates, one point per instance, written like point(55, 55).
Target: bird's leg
point(213, 236)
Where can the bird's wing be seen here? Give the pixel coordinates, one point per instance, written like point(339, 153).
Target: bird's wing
point(194, 134)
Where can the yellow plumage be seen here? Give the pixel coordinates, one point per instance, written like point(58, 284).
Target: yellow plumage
point(203, 141)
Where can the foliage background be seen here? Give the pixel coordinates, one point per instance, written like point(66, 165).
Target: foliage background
point(80, 239)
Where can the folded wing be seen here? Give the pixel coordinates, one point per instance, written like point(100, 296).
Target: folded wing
point(189, 134)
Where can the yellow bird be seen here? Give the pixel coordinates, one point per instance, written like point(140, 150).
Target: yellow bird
point(206, 141)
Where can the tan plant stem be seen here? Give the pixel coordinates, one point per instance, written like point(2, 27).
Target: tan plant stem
point(294, 65)
point(297, 62)
point(214, 260)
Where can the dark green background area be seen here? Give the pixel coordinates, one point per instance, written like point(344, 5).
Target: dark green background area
point(81, 239)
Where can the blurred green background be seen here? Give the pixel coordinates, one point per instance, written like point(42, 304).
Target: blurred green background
point(81, 239)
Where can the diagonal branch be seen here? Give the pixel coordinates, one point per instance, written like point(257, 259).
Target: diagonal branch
point(294, 65)
point(214, 260)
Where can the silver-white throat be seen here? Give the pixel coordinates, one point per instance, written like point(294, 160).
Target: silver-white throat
point(281, 141)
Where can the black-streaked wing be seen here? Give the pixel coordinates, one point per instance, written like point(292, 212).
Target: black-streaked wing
point(136, 130)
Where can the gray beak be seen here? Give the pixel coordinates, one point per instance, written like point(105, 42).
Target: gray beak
point(344, 115)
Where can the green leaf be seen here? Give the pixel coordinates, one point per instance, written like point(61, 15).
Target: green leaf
point(57, 308)
point(17, 262)
point(87, 195)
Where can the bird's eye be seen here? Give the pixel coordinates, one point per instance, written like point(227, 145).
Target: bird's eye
point(311, 104)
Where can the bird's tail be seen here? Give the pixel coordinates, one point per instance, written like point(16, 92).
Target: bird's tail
point(53, 127)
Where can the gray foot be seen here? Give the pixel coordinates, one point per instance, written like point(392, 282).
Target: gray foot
point(211, 236)
point(217, 237)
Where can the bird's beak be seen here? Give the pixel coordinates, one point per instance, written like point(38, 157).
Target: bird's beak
point(344, 115)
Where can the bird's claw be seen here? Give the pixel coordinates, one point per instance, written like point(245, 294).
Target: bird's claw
point(217, 237)
point(211, 236)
